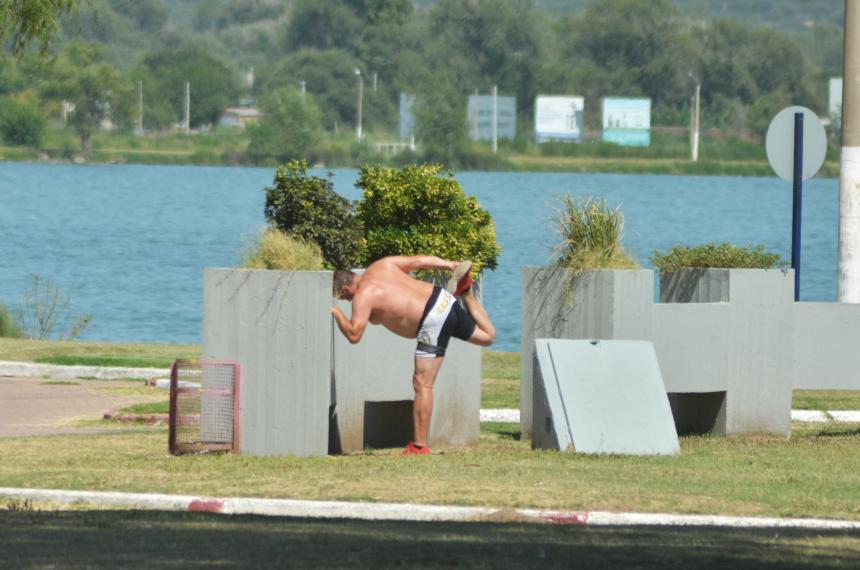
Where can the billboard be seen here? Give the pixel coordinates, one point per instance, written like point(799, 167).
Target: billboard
point(558, 118)
point(627, 121)
point(407, 119)
point(479, 115)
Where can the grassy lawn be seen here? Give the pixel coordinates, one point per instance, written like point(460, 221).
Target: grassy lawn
point(89, 539)
point(95, 353)
point(814, 474)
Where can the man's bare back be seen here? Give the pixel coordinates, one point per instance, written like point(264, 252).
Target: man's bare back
point(386, 295)
point(396, 300)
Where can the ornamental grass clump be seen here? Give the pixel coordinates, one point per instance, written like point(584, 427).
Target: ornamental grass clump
point(711, 255)
point(590, 235)
point(275, 249)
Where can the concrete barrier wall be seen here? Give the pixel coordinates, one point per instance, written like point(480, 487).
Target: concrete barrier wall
point(306, 390)
point(277, 325)
point(731, 343)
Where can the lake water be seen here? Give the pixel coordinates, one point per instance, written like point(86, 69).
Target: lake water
point(129, 243)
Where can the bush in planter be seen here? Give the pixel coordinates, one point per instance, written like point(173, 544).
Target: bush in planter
point(711, 255)
point(414, 210)
point(308, 207)
point(590, 235)
point(276, 250)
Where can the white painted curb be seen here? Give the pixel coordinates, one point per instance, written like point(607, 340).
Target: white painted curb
point(512, 415)
point(58, 372)
point(404, 511)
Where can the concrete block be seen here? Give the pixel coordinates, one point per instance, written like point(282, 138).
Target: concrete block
point(601, 397)
point(596, 304)
point(379, 369)
point(278, 326)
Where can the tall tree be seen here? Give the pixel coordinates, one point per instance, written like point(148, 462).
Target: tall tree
point(28, 21)
point(96, 90)
point(213, 84)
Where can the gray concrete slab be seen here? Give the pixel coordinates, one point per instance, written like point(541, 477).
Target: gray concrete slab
point(601, 397)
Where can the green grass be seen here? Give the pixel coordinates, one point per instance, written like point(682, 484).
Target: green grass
point(96, 353)
point(88, 539)
point(500, 387)
point(148, 408)
point(813, 474)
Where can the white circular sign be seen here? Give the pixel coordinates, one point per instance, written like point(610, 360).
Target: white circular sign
point(780, 143)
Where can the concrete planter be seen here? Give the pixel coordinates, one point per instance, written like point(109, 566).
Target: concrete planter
point(306, 390)
point(598, 304)
point(729, 372)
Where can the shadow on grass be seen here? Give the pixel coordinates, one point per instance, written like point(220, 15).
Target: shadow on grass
point(113, 539)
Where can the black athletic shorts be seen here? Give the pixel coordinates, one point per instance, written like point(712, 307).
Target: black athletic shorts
point(443, 318)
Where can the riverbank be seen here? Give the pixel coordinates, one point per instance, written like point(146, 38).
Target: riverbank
point(667, 155)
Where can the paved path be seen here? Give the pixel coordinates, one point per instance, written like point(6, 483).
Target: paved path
point(33, 406)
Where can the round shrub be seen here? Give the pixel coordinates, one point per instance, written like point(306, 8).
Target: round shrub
point(415, 210)
point(308, 207)
point(723, 256)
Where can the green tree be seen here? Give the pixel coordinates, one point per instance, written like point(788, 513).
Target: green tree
point(308, 207)
point(414, 210)
point(440, 123)
point(291, 124)
point(213, 84)
point(96, 89)
point(28, 21)
point(329, 76)
point(21, 120)
point(150, 15)
point(322, 24)
point(638, 48)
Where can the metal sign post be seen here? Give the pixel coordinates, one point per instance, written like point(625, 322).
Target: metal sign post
point(796, 144)
point(797, 203)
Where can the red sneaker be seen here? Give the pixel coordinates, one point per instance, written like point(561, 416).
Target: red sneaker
point(412, 450)
point(461, 279)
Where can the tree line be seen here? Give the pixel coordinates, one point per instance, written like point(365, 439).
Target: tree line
point(440, 52)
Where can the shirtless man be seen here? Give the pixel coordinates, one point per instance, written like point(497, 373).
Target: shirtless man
point(386, 295)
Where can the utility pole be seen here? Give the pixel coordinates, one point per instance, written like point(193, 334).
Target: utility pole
point(302, 86)
point(360, 101)
point(849, 178)
point(696, 110)
point(186, 123)
point(374, 81)
point(140, 107)
point(495, 119)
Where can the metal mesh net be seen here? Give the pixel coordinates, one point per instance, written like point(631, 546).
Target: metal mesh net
point(203, 407)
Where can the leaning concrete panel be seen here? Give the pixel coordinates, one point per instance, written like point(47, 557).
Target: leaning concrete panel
point(607, 304)
point(601, 397)
point(379, 369)
point(278, 326)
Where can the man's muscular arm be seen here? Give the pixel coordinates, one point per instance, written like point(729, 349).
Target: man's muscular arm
point(352, 329)
point(408, 264)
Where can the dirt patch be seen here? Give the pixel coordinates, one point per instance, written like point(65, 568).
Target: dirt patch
point(34, 406)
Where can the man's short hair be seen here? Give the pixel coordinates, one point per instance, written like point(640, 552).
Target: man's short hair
point(341, 277)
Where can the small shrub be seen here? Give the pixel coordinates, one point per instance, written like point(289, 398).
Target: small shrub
point(8, 327)
point(308, 207)
point(45, 310)
point(723, 256)
point(276, 250)
point(413, 210)
point(590, 235)
point(22, 122)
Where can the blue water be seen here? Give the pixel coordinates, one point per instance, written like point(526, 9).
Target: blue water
point(129, 243)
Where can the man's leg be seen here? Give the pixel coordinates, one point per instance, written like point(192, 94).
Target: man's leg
point(485, 332)
point(426, 370)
